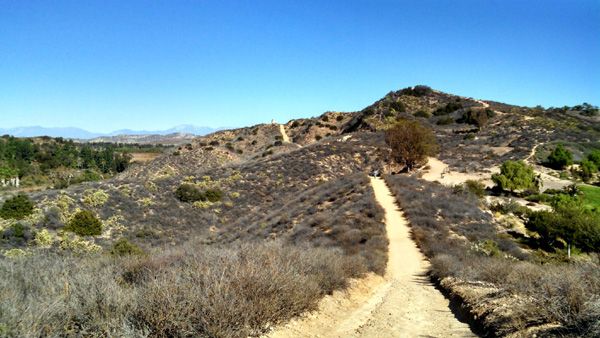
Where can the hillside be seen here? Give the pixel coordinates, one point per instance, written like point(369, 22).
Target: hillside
point(236, 200)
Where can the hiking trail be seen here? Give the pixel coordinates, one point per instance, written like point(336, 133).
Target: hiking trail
point(404, 303)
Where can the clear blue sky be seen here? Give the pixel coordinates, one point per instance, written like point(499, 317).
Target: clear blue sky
point(105, 65)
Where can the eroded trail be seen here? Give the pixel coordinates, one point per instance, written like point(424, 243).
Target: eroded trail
point(402, 304)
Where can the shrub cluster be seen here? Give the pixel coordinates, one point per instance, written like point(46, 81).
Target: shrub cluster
point(190, 193)
point(123, 247)
point(17, 207)
point(449, 108)
point(569, 222)
point(418, 91)
point(478, 117)
point(85, 223)
point(559, 158)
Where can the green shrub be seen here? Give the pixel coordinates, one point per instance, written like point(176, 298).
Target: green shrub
point(569, 222)
point(559, 158)
point(516, 175)
point(418, 91)
point(398, 106)
point(423, 113)
point(446, 120)
point(189, 193)
point(213, 195)
point(123, 247)
point(17, 207)
point(475, 187)
point(85, 223)
point(594, 157)
point(17, 234)
point(587, 170)
point(478, 117)
point(447, 109)
point(339, 118)
point(511, 207)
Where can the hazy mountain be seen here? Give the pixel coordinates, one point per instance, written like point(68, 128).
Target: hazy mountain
point(78, 133)
point(67, 132)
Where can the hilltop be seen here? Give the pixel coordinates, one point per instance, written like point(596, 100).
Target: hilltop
point(302, 188)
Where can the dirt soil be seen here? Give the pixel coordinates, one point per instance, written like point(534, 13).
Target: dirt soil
point(439, 171)
point(404, 303)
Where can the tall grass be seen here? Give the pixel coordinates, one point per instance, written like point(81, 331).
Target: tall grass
point(189, 291)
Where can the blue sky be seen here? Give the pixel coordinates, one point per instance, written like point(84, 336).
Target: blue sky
point(105, 65)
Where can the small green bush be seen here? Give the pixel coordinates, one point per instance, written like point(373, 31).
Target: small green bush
point(17, 207)
point(559, 158)
point(475, 187)
point(189, 193)
point(123, 247)
point(587, 170)
point(85, 223)
point(213, 195)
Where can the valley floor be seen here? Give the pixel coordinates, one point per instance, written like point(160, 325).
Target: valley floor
point(402, 304)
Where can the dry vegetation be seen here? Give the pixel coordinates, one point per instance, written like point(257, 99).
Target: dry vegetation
point(276, 225)
point(501, 283)
point(288, 229)
point(188, 291)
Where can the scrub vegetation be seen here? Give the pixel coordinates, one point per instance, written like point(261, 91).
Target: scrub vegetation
point(238, 231)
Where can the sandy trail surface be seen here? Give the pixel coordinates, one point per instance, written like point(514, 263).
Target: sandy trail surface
point(439, 171)
point(403, 303)
point(284, 135)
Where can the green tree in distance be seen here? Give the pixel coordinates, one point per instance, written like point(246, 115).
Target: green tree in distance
point(516, 175)
point(411, 143)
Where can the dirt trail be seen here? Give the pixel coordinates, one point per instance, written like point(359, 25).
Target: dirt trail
point(402, 304)
point(284, 135)
point(440, 172)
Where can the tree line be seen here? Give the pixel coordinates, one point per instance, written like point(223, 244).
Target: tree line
point(23, 156)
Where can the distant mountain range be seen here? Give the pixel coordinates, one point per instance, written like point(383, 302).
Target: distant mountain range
point(78, 133)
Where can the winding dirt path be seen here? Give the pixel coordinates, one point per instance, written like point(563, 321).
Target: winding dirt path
point(401, 304)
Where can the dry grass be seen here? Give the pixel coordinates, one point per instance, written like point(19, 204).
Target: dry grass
point(183, 292)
